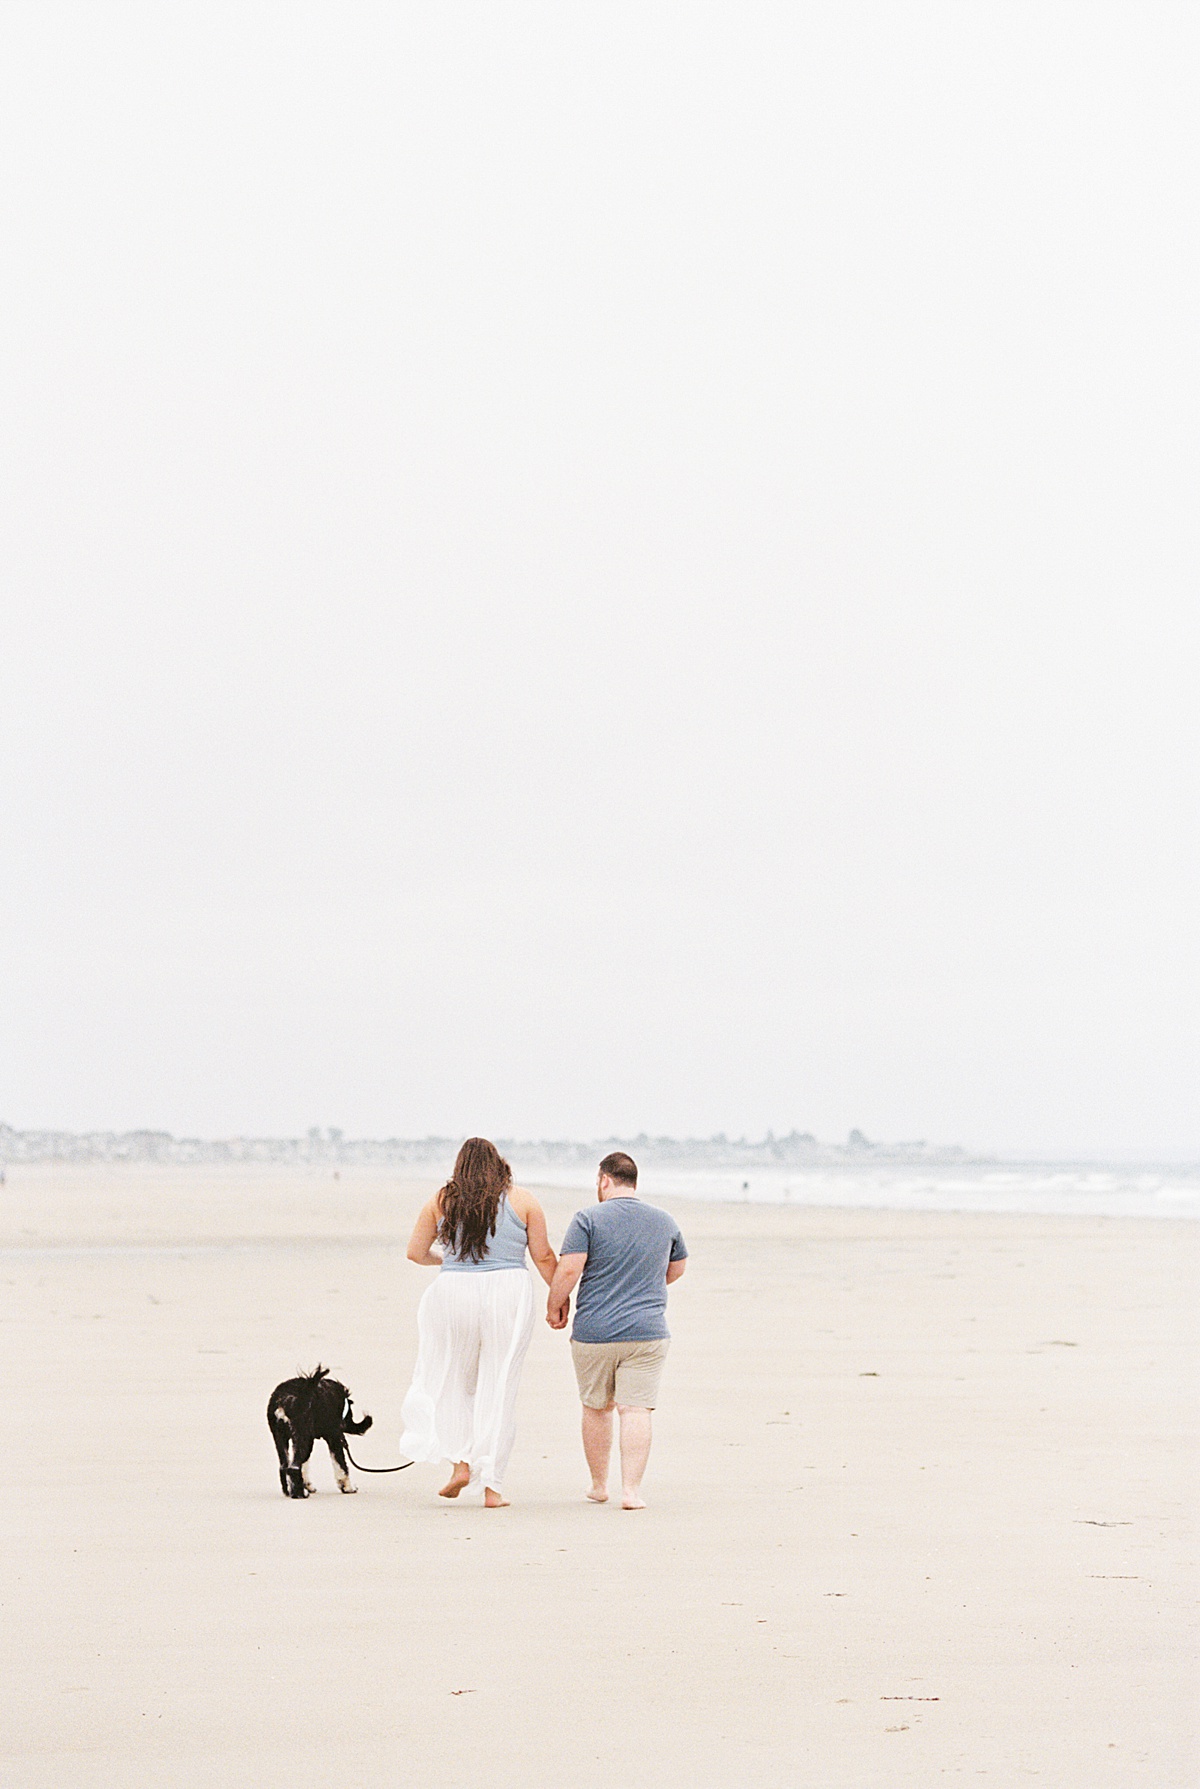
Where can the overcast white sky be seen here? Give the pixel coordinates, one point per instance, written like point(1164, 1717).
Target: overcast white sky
point(579, 569)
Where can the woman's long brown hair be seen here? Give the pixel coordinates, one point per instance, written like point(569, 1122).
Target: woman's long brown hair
point(470, 1200)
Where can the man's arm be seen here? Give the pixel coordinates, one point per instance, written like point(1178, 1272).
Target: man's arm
point(675, 1270)
point(566, 1278)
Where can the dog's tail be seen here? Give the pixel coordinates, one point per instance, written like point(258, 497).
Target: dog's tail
point(352, 1425)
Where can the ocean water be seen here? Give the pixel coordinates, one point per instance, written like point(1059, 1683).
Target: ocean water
point(1053, 1189)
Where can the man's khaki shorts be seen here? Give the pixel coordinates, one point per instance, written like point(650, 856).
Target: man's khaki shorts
point(619, 1372)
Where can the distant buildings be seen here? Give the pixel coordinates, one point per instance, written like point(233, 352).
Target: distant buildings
point(331, 1148)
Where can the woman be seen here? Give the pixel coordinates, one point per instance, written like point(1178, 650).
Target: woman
point(475, 1321)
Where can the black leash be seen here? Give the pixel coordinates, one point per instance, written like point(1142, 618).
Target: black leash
point(403, 1466)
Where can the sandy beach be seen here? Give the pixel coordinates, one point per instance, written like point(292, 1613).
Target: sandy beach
point(919, 1508)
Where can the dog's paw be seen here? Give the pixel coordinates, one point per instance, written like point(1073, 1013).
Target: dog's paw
point(348, 1490)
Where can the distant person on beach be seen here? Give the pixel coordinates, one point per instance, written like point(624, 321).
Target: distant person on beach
point(475, 1321)
point(623, 1256)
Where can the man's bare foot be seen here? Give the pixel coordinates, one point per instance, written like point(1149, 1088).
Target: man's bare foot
point(597, 1494)
point(493, 1500)
point(458, 1481)
point(631, 1500)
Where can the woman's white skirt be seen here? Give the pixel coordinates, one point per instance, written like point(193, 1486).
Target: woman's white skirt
point(473, 1330)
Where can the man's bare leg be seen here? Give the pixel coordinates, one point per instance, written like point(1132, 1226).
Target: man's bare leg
point(635, 1451)
point(458, 1481)
point(597, 1449)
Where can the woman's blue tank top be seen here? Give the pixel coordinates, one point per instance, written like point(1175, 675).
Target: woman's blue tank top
point(506, 1249)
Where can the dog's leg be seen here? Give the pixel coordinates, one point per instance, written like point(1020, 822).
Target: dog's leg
point(281, 1434)
point(302, 1446)
point(292, 1456)
point(341, 1465)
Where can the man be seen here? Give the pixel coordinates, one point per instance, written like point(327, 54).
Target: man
point(623, 1257)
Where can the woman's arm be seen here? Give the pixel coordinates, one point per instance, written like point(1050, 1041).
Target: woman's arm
point(534, 1220)
point(420, 1243)
point(558, 1305)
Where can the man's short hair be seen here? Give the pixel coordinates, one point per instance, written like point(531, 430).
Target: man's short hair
point(620, 1167)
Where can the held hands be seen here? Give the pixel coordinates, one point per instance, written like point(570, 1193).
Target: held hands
point(556, 1315)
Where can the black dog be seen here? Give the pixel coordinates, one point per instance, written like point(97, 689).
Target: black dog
point(312, 1408)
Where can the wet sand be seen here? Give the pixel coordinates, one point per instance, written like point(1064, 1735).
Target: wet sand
point(919, 1508)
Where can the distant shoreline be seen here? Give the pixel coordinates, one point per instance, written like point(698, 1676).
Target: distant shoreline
point(797, 1150)
point(331, 1148)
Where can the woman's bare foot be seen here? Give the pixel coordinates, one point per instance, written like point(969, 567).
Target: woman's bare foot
point(631, 1500)
point(493, 1500)
point(598, 1494)
point(458, 1481)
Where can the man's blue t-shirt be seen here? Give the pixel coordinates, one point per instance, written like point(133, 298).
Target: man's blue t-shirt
point(623, 1292)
